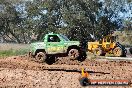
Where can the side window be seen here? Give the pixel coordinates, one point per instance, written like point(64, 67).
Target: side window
point(53, 38)
point(100, 41)
point(105, 39)
point(113, 39)
point(108, 39)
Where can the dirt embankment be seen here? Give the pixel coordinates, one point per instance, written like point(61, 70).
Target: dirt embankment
point(21, 72)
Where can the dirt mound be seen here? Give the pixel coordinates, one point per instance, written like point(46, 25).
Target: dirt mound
point(22, 72)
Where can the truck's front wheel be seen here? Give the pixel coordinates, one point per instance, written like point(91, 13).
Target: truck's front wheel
point(73, 53)
point(41, 57)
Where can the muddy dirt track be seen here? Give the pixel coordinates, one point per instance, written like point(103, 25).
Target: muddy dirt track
point(21, 72)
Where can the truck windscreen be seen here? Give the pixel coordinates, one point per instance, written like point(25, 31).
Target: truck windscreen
point(64, 37)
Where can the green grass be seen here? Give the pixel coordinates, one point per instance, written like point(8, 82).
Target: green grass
point(11, 52)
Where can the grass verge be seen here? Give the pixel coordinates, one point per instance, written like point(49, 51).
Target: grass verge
point(11, 52)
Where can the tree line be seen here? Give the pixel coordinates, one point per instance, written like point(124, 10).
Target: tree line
point(25, 21)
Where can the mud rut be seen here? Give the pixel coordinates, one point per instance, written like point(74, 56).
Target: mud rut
point(98, 69)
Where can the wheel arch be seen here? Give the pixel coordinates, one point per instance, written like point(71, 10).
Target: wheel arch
point(39, 50)
point(73, 47)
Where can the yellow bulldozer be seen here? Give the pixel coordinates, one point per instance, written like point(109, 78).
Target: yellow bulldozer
point(107, 44)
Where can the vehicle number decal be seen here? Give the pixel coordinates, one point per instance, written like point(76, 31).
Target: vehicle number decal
point(59, 48)
point(53, 49)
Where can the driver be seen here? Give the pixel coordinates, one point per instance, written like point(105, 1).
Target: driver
point(51, 39)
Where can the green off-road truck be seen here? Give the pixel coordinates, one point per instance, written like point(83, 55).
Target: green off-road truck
point(55, 44)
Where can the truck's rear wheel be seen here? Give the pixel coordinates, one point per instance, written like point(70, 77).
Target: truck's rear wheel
point(118, 52)
point(41, 57)
point(73, 53)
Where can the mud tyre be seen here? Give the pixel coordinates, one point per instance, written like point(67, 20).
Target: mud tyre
point(118, 52)
point(41, 57)
point(73, 54)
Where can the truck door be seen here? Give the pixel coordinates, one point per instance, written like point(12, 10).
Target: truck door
point(54, 44)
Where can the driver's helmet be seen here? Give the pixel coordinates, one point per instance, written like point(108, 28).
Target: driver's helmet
point(51, 39)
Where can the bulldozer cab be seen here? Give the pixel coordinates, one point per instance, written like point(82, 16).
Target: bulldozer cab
point(108, 42)
point(109, 39)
